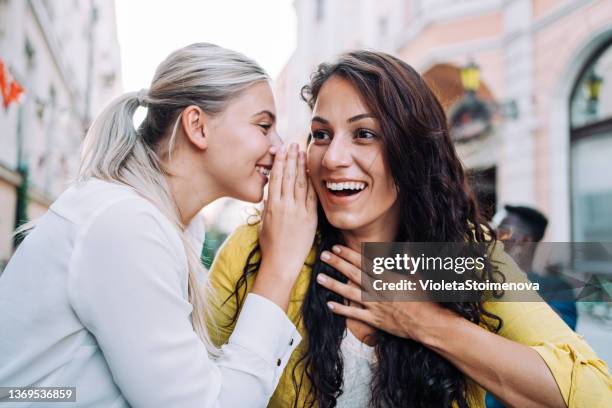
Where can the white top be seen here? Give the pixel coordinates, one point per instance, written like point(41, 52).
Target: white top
point(359, 360)
point(96, 298)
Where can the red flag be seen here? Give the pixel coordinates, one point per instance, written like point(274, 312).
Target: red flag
point(14, 93)
point(3, 87)
point(10, 89)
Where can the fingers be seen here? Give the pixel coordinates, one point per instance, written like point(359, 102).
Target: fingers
point(352, 272)
point(346, 291)
point(351, 312)
point(348, 254)
point(355, 258)
point(276, 175)
point(289, 174)
point(311, 198)
point(288, 177)
point(301, 182)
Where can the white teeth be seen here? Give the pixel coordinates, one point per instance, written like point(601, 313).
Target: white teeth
point(262, 170)
point(347, 185)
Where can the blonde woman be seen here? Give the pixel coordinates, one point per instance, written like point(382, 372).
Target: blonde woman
point(106, 293)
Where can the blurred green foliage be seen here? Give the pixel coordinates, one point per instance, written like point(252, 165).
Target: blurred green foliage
point(212, 242)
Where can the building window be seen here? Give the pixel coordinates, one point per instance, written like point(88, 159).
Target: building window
point(48, 5)
point(30, 54)
point(319, 12)
point(4, 11)
point(383, 25)
point(591, 149)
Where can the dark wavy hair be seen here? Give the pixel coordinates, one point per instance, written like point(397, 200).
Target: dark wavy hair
point(436, 205)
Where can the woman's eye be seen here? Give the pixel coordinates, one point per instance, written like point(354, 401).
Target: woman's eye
point(320, 135)
point(265, 126)
point(365, 134)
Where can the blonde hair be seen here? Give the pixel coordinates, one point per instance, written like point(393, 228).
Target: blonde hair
point(200, 74)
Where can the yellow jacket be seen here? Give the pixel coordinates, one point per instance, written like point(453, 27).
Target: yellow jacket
point(583, 378)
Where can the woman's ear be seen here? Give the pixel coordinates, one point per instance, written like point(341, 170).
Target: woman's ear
point(194, 120)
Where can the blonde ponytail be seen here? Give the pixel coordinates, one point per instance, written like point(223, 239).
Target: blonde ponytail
point(200, 74)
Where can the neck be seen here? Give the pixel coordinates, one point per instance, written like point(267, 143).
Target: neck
point(188, 197)
point(384, 229)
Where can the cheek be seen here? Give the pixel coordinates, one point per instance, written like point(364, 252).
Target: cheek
point(248, 146)
point(253, 137)
point(384, 191)
point(386, 184)
point(314, 155)
point(260, 145)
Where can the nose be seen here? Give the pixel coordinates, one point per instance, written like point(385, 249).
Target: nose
point(337, 154)
point(275, 144)
point(275, 139)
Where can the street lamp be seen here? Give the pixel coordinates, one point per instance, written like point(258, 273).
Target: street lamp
point(593, 84)
point(593, 88)
point(470, 116)
point(470, 77)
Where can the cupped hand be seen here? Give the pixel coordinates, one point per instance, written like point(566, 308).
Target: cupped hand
point(289, 217)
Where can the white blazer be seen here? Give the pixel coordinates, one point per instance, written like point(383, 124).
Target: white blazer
point(96, 298)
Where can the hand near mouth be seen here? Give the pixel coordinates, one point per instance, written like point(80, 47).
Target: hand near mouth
point(288, 226)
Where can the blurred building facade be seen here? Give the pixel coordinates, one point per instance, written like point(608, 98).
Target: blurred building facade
point(545, 79)
point(65, 55)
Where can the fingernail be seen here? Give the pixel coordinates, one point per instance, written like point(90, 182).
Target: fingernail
point(321, 278)
point(325, 255)
point(336, 249)
point(294, 146)
point(330, 305)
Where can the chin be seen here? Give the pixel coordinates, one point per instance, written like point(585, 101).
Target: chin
point(344, 221)
point(249, 189)
point(251, 196)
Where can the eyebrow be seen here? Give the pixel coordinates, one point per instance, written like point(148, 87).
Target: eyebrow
point(350, 120)
point(320, 120)
point(361, 116)
point(267, 112)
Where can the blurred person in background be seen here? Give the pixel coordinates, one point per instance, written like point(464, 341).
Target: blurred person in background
point(385, 169)
point(107, 292)
point(521, 228)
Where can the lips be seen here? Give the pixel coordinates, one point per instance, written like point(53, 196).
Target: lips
point(264, 171)
point(343, 191)
point(345, 187)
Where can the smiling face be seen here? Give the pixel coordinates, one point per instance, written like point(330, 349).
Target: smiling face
point(346, 161)
point(240, 139)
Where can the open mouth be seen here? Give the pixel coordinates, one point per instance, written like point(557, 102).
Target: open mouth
point(263, 170)
point(345, 188)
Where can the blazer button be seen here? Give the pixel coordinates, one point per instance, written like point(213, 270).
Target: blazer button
point(278, 362)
